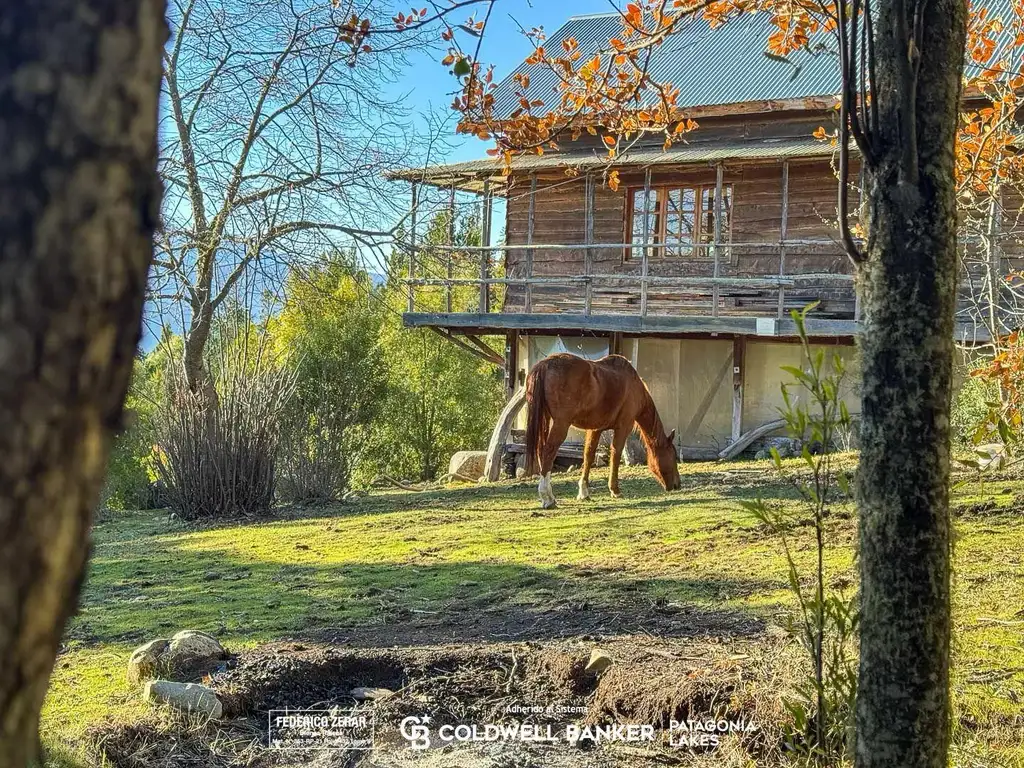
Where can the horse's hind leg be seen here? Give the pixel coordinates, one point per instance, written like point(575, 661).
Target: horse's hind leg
point(555, 438)
point(589, 453)
point(618, 443)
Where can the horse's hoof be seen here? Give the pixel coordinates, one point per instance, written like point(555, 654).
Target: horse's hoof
point(582, 497)
point(616, 495)
point(548, 504)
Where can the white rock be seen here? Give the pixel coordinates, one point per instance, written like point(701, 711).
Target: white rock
point(599, 662)
point(468, 464)
point(362, 694)
point(190, 698)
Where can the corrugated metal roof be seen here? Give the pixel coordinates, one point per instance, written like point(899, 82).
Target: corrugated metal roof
point(469, 175)
point(710, 67)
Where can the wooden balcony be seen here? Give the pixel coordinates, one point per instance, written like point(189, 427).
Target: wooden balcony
point(734, 293)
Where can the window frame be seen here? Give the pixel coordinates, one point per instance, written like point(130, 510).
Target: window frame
point(698, 248)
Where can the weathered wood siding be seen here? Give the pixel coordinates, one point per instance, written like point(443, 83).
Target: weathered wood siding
point(754, 250)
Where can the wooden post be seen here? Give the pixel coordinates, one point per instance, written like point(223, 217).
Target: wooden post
point(588, 239)
point(719, 173)
point(529, 241)
point(783, 225)
point(496, 446)
point(738, 348)
point(485, 255)
point(615, 345)
point(645, 256)
point(412, 248)
point(511, 361)
point(450, 255)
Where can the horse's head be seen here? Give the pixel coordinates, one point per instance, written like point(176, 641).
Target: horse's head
point(663, 462)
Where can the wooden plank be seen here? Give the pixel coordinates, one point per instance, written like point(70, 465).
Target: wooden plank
point(588, 238)
point(492, 467)
point(486, 351)
point(450, 256)
point(717, 250)
point(511, 361)
point(783, 225)
point(626, 323)
point(738, 348)
point(645, 254)
point(412, 248)
point(738, 446)
point(485, 254)
point(447, 335)
point(529, 240)
point(566, 450)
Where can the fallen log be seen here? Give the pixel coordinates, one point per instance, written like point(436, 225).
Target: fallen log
point(745, 440)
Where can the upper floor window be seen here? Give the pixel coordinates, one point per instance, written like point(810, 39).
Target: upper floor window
point(680, 221)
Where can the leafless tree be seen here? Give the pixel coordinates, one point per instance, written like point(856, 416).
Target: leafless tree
point(273, 148)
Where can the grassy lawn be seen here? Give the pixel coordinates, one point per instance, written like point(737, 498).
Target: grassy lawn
point(398, 559)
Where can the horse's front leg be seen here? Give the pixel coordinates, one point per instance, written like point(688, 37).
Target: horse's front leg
point(589, 453)
point(618, 443)
point(554, 440)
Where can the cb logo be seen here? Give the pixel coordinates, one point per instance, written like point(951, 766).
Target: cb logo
point(414, 730)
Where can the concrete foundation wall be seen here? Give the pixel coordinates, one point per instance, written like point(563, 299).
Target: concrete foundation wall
point(763, 377)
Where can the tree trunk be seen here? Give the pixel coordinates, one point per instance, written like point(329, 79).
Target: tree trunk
point(196, 376)
point(909, 295)
point(79, 197)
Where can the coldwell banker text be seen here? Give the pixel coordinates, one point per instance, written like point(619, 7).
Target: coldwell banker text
point(419, 735)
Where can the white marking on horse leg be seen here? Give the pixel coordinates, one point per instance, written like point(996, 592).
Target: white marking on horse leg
point(547, 494)
point(584, 493)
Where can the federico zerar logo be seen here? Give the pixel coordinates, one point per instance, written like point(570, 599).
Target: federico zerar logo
point(414, 730)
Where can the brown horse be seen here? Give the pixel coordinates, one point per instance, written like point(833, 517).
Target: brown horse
point(565, 390)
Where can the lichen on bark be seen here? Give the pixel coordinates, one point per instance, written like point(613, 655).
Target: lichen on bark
point(79, 198)
point(908, 286)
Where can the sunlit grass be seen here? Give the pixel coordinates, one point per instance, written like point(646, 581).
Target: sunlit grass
point(471, 548)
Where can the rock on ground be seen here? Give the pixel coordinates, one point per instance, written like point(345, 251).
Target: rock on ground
point(190, 698)
point(144, 662)
point(188, 655)
point(599, 662)
point(468, 464)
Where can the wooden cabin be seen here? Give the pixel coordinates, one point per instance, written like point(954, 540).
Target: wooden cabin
point(692, 266)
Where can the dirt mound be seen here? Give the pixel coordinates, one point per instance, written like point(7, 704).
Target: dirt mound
point(651, 681)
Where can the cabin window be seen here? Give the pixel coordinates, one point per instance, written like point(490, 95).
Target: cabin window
point(680, 220)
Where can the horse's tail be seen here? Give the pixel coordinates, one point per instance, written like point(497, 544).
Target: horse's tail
point(536, 418)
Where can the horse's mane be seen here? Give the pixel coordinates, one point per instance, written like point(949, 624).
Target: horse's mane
point(649, 422)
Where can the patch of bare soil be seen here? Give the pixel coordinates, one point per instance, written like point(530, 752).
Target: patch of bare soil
point(652, 681)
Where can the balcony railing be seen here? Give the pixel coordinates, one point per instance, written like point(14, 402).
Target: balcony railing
point(736, 283)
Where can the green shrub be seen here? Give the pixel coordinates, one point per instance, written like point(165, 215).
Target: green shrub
point(128, 483)
point(971, 409)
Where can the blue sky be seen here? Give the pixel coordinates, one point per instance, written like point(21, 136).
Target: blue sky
point(430, 86)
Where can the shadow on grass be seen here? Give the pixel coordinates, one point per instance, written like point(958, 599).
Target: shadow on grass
point(169, 587)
